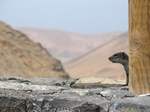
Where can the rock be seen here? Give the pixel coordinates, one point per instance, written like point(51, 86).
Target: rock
point(62, 105)
point(57, 95)
point(40, 81)
point(19, 56)
point(55, 105)
point(21, 94)
point(14, 79)
point(53, 81)
point(92, 82)
point(116, 94)
point(135, 104)
point(12, 105)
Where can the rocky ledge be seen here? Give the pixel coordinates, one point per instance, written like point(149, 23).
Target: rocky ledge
point(72, 95)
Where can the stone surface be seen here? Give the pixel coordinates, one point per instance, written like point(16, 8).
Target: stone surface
point(57, 95)
point(91, 82)
point(19, 56)
point(116, 94)
point(12, 105)
point(136, 104)
point(61, 105)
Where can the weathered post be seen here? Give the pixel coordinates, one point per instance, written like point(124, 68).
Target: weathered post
point(139, 46)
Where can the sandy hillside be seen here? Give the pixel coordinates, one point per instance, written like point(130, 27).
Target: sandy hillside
point(96, 63)
point(65, 45)
point(19, 56)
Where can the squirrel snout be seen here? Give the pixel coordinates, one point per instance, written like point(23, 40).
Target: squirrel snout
point(109, 58)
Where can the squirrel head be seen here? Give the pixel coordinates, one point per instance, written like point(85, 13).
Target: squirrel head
point(120, 57)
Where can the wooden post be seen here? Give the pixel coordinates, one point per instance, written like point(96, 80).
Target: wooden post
point(139, 46)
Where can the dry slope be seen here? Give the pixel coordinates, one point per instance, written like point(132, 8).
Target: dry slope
point(19, 56)
point(96, 63)
point(67, 45)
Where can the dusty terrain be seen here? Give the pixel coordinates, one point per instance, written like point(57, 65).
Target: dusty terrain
point(88, 54)
point(19, 56)
point(96, 63)
point(65, 45)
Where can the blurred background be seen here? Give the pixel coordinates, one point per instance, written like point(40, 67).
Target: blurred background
point(81, 34)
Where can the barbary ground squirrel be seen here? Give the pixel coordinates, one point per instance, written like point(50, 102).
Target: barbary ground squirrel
point(123, 59)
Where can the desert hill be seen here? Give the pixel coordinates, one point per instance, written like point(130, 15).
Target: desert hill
point(96, 64)
point(19, 56)
point(67, 45)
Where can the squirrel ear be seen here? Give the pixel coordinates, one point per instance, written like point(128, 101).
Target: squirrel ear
point(123, 54)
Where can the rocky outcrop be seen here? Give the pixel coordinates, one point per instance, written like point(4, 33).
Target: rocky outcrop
point(57, 95)
point(19, 56)
point(136, 104)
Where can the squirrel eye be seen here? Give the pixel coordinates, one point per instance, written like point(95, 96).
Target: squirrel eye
point(115, 55)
